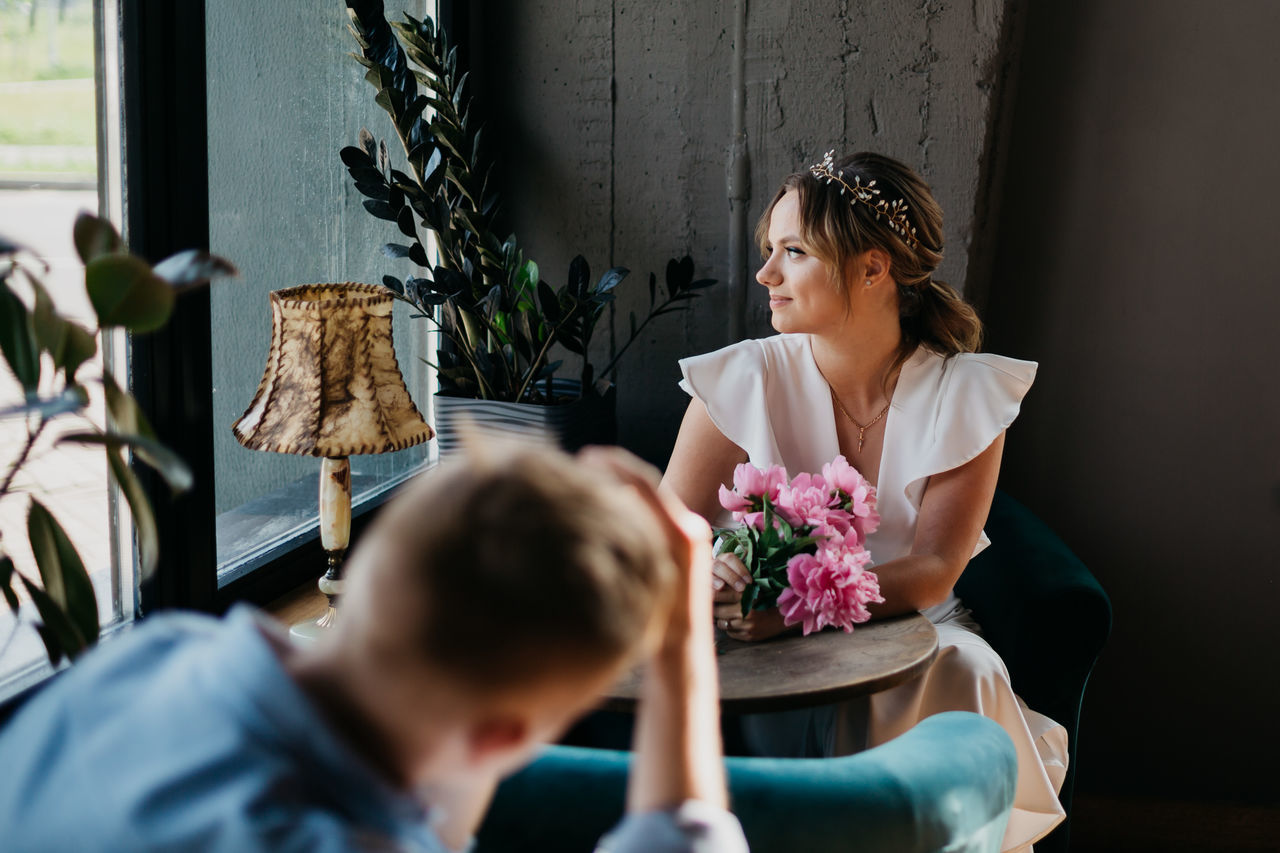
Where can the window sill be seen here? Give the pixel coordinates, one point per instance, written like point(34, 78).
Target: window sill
point(268, 572)
point(304, 603)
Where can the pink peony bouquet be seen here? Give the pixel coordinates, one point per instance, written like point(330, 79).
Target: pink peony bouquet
point(804, 542)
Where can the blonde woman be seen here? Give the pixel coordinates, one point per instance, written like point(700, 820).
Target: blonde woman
point(877, 361)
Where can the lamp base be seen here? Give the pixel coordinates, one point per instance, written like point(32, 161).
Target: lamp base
point(330, 584)
point(310, 630)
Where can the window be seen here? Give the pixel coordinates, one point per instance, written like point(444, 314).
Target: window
point(60, 154)
point(283, 209)
point(235, 112)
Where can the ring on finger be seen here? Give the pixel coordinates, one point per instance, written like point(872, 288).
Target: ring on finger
point(724, 624)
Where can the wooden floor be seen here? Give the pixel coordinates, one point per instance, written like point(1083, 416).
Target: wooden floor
point(1112, 825)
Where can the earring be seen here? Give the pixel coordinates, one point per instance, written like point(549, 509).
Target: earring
point(868, 282)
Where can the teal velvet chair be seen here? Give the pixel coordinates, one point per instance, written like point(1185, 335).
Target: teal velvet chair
point(946, 785)
point(1047, 616)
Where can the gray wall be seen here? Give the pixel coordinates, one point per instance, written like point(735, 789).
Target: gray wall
point(635, 173)
point(1136, 262)
point(283, 98)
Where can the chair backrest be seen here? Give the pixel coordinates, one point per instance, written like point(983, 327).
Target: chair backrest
point(1044, 612)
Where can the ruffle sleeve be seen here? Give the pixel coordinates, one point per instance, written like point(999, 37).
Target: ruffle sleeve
point(732, 383)
point(977, 397)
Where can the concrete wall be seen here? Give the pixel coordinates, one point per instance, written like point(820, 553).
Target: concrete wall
point(610, 120)
point(1136, 262)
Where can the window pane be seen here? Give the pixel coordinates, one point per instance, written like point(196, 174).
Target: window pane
point(283, 98)
point(48, 173)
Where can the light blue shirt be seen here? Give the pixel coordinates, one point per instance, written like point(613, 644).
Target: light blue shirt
point(188, 734)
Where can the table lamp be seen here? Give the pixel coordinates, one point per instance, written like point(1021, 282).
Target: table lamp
point(331, 388)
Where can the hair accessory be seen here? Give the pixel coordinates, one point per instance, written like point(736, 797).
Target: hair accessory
point(894, 212)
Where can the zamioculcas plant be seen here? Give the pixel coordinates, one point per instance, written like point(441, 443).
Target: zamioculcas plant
point(48, 353)
point(499, 317)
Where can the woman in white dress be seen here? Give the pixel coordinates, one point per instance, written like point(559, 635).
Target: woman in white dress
point(875, 361)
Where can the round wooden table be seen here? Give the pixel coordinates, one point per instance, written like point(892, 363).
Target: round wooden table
point(799, 672)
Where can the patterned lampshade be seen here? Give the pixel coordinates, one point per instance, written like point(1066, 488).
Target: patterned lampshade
point(332, 386)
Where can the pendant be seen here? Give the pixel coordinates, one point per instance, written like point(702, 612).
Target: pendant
point(861, 433)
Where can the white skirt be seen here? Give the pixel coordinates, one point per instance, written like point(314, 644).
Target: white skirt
point(967, 675)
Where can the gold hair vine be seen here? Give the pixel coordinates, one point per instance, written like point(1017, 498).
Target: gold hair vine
point(894, 212)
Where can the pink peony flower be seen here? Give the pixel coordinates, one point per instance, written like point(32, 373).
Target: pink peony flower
point(860, 502)
point(734, 502)
point(750, 481)
point(750, 485)
point(829, 515)
point(839, 474)
point(845, 540)
point(831, 587)
point(807, 502)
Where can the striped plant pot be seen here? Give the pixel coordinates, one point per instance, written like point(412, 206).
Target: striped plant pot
point(589, 420)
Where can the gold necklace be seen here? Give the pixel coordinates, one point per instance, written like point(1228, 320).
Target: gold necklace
point(862, 430)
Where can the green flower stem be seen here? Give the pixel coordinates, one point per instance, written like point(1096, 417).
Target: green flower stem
point(533, 365)
point(608, 369)
point(32, 437)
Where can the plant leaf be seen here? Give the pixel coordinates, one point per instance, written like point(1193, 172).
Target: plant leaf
point(579, 277)
point(550, 304)
point(404, 219)
point(355, 158)
point(62, 572)
point(367, 143)
point(94, 237)
point(70, 399)
point(191, 268)
point(380, 209)
point(18, 340)
point(367, 175)
point(679, 274)
point(126, 415)
point(395, 250)
point(375, 191)
point(69, 344)
point(144, 521)
point(61, 639)
point(611, 279)
point(124, 292)
point(6, 583)
point(167, 463)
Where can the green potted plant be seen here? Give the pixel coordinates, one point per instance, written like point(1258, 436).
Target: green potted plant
point(498, 318)
point(47, 353)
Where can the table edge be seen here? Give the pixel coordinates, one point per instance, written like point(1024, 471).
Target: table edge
point(814, 698)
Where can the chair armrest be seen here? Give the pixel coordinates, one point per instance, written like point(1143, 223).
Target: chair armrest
point(1039, 606)
point(948, 784)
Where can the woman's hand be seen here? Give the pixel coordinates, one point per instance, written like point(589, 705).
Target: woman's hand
point(729, 577)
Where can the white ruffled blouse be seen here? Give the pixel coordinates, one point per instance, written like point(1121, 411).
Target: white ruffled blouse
point(768, 397)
